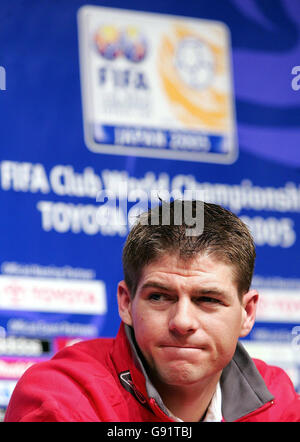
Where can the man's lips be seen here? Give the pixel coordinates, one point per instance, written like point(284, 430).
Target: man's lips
point(180, 346)
point(181, 352)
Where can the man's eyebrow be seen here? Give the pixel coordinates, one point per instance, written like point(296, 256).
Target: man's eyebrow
point(157, 285)
point(211, 291)
point(196, 292)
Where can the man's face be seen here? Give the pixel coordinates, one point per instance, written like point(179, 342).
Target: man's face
point(187, 318)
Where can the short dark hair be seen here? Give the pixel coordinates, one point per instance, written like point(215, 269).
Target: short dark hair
point(224, 236)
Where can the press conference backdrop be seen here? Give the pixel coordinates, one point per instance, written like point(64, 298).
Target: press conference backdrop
point(105, 102)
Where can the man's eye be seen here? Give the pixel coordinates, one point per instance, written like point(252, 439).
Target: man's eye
point(157, 297)
point(209, 300)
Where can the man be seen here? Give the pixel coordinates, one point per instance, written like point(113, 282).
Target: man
point(184, 303)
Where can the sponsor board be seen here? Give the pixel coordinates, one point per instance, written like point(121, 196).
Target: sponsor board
point(279, 305)
point(282, 355)
point(267, 210)
point(21, 346)
point(62, 342)
point(156, 85)
point(44, 326)
point(275, 336)
point(6, 389)
point(14, 368)
point(52, 295)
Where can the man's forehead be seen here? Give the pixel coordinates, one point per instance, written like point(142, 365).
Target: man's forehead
point(205, 261)
point(172, 267)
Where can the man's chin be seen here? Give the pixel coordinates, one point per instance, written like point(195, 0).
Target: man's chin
point(180, 375)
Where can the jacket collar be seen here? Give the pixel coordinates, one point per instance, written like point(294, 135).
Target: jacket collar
point(243, 388)
point(139, 363)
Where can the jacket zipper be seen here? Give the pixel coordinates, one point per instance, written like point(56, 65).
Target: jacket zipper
point(258, 410)
point(159, 412)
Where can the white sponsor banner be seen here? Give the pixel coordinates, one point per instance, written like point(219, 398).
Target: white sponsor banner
point(282, 355)
point(275, 353)
point(278, 305)
point(52, 295)
point(6, 390)
point(14, 369)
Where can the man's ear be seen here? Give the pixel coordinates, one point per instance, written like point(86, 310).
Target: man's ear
point(249, 305)
point(124, 303)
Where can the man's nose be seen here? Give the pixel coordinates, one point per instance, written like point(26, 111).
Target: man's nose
point(182, 318)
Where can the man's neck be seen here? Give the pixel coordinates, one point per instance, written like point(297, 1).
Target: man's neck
point(188, 402)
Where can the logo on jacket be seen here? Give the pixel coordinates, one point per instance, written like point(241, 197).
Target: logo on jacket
point(126, 381)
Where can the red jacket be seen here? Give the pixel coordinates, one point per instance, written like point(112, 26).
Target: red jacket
point(104, 380)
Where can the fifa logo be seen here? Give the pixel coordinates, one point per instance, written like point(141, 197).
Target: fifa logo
point(113, 43)
point(127, 44)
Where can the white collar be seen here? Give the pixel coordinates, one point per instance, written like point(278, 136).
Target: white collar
point(214, 411)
